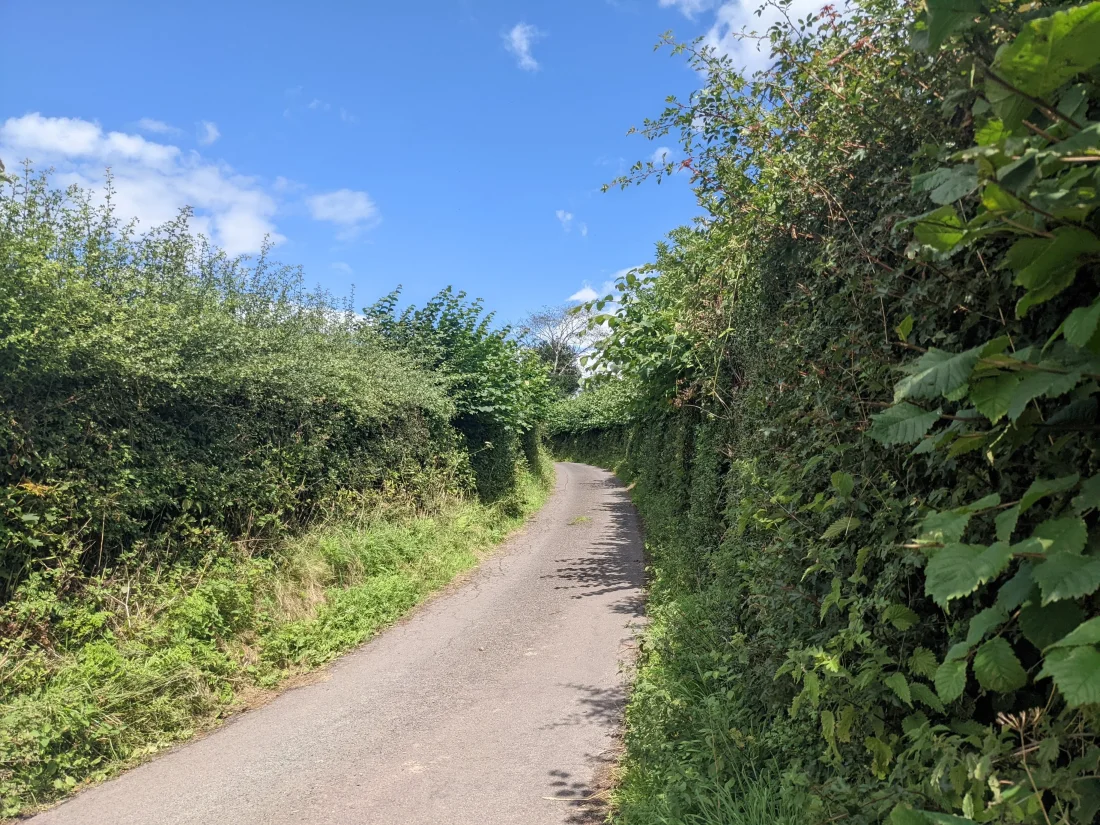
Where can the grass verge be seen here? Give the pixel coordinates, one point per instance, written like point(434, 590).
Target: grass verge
point(138, 660)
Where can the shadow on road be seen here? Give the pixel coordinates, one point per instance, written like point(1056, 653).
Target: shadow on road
point(615, 562)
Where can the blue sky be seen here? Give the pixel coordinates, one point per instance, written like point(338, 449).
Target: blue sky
point(425, 143)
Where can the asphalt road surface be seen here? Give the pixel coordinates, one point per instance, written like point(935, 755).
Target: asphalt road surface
point(498, 702)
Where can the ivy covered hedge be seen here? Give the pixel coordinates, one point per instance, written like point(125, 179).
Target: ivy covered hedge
point(864, 433)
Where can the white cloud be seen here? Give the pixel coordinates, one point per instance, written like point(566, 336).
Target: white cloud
point(350, 210)
point(565, 219)
point(689, 8)
point(158, 127)
point(208, 132)
point(519, 41)
point(589, 293)
point(741, 34)
point(342, 266)
point(152, 181)
point(585, 293)
point(319, 105)
point(584, 230)
point(661, 156)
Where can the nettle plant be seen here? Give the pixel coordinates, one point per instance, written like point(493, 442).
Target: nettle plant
point(1019, 205)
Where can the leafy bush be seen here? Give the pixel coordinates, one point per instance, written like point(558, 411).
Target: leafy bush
point(213, 478)
point(500, 389)
point(868, 458)
point(158, 396)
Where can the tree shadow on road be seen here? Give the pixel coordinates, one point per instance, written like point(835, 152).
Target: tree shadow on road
point(615, 561)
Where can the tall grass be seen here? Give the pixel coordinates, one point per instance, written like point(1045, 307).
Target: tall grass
point(155, 655)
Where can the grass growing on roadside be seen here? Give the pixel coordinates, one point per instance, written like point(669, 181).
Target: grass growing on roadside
point(154, 656)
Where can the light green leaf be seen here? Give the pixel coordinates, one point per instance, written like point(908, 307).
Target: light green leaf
point(945, 17)
point(904, 328)
point(1005, 523)
point(1062, 535)
point(941, 230)
point(882, 756)
point(902, 424)
point(900, 616)
point(844, 483)
point(1040, 488)
point(1067, 576)
point(1016, 590)
point(1045, 625)
point(1051, 263)
point(947, 184)
point(937, 372)
point(1051, 50)
point(1036, 384)
point(900, 685)
point(841, 526)
point(997, 668)
point(1087, 633)
point(959, 569)
point(923, 694)
point(923, 663)
point(1081, 325)
point(944, 528)
point(1089, 497)
point(1076, 675)
point(992, 396)
point(983, 622)
point(951, 680)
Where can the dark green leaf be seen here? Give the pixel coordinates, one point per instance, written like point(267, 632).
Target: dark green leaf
point(902, 424)
point(1077, 675)
point(951, 680)
point(997, 668)
point(959, 569)
point(1067, 576)
point(937, 373)
point(1045, 625)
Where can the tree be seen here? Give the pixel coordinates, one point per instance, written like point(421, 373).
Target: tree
point(560, 335)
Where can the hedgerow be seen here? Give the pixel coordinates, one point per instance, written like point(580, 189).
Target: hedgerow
point(864, 439)
point(213, 478)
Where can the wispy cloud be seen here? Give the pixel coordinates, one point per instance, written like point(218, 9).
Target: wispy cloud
point(689, 8)
point(662, 156)
point(352, 211)
point(342, 266)
point(739, 27)
point(317, 104)
point(157, 127)
point(584, 230)
point(152, 181)
point(565, 219)
point(208, 132)
point(589, 293)
point(519, 41)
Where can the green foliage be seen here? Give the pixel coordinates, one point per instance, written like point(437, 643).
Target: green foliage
point(501, 389)
point(188, 648)
point(176, 426)
point(862, 430)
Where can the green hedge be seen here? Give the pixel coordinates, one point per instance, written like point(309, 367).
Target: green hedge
point(864, 440)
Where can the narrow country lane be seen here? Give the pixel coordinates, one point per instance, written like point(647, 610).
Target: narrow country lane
point(496, 703)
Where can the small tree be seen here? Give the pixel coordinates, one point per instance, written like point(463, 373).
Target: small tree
point(560, 335)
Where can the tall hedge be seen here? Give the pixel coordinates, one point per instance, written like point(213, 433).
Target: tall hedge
point(159, 397)
point(865, 439)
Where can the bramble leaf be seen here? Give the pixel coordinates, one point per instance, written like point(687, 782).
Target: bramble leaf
point(841, 526)
point(997, 668)
point(951, 680)
point(1067, 576)
point(922, 662)
point(1087, 633)
point(1040, 488)
point(1077, 674)
point(900, 685)
point(959, 569)
point(937, 372)
point(902, 424)
point(900, 616)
